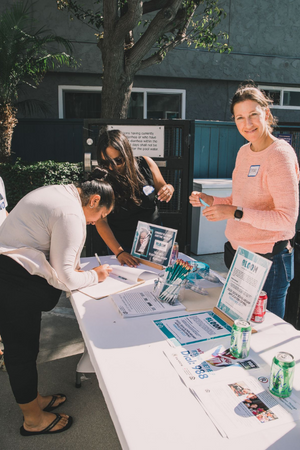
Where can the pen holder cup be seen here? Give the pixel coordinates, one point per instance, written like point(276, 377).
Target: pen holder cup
point(167, 292)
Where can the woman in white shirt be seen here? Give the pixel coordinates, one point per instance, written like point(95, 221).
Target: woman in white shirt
point(3, 202)
point(3, 214)
point(40, 245)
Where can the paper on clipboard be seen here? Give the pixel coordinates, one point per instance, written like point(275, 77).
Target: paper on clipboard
point(120, 279)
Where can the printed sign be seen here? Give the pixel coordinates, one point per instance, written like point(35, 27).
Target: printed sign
point(144, 140)
point(153, 243)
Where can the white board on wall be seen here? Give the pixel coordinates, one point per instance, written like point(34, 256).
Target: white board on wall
point(146, 140)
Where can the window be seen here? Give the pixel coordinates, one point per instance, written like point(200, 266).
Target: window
point(283, 97)
point(76, 102)
point(82, 104)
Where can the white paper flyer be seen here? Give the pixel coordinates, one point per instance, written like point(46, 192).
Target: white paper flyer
point(202, 326)
point(141, 302)
point(197, 366)
point(242, 405)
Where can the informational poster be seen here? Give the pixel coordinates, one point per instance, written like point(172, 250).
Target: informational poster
point(153, 243)
point(184, 330)
point(244, 282)
point(145, 140)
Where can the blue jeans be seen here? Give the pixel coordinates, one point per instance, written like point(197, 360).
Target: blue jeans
point(278, 281)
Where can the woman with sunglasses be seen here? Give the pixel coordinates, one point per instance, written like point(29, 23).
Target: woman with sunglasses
point(137, 184)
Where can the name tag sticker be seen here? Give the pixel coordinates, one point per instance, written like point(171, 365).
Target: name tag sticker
point(253, 171)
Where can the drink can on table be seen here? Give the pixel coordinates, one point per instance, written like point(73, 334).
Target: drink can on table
point(259, 312)
point(240, 338)
point(282, 374)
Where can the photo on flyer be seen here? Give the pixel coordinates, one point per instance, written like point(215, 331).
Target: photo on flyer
point(153, 243)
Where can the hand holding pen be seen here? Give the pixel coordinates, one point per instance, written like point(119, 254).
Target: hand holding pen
point(199, 199)
point(103, 270)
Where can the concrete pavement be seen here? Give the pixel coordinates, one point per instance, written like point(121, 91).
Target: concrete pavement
point(61, 346)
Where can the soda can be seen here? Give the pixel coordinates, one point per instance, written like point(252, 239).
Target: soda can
point(259, 312)
point(282, 375)
point(240, 338)
point(174, 255)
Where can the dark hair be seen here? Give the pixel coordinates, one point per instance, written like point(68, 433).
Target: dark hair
point(251, 92)
point(127, 185)
point(96, 186)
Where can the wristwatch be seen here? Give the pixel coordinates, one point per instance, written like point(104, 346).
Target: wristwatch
point(238, 213)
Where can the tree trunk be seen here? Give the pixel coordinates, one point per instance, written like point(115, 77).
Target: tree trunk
point(117, 82)
point(7, 123)
point(115, 97)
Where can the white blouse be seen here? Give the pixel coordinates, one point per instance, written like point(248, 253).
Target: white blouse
point(45, 233)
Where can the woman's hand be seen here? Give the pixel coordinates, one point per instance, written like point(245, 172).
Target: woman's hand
point(219, 212)
point(165, 193)
point(195, 199)
point(128, 259)
point(103, 271)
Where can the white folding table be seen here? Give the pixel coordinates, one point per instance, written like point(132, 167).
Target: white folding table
point(150, 406)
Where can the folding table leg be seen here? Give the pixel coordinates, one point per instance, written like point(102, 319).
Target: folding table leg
point(84, 366)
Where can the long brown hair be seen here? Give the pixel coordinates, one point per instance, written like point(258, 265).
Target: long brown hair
point(127, 185)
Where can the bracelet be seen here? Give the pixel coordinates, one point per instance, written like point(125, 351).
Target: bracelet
point(122, 251)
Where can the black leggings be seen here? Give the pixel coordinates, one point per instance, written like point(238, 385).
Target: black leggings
point(22, 300)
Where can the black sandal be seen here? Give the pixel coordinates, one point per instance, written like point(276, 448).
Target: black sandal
point(49, 407)
point(47, 430)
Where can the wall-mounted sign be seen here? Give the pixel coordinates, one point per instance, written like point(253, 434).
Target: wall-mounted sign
point(286, 136)
point(146, 140)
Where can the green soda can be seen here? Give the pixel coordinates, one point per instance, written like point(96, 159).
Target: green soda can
point(240, 338)
point(282, 375)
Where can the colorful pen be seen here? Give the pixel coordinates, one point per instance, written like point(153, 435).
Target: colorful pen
point(203, 202)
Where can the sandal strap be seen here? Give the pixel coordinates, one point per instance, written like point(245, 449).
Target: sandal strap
point(52, 424)
point(52, 401)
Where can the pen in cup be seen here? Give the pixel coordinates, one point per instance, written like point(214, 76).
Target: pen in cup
point(98, 259)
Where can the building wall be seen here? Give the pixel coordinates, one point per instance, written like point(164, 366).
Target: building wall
point(264, 36)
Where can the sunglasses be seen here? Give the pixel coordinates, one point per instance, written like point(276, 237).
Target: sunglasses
point(117, 161)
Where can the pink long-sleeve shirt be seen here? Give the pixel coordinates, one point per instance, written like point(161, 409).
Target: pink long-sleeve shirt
point(266, 185)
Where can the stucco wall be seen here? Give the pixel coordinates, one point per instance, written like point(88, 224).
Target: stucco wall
point(265, 40)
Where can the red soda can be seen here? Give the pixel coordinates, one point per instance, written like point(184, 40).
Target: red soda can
point(259, 312)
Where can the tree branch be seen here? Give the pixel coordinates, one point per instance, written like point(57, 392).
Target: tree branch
point(153, 5)
point(179, 39)
point(130, 19)
point(155, 29)
point(160, 55)
point(110, 14)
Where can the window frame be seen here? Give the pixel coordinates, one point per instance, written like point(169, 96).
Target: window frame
point(282, 90)
point(96, 89)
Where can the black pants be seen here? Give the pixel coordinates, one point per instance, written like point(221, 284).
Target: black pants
point(22, 300)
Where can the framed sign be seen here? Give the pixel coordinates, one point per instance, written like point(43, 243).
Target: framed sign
point(153, 244)
point(146, 140)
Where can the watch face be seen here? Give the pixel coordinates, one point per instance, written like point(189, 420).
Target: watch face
point(238, 214)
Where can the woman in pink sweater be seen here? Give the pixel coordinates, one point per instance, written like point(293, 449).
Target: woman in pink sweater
point(263, 208)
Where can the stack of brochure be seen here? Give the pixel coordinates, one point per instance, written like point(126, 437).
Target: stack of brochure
point(141, 302)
